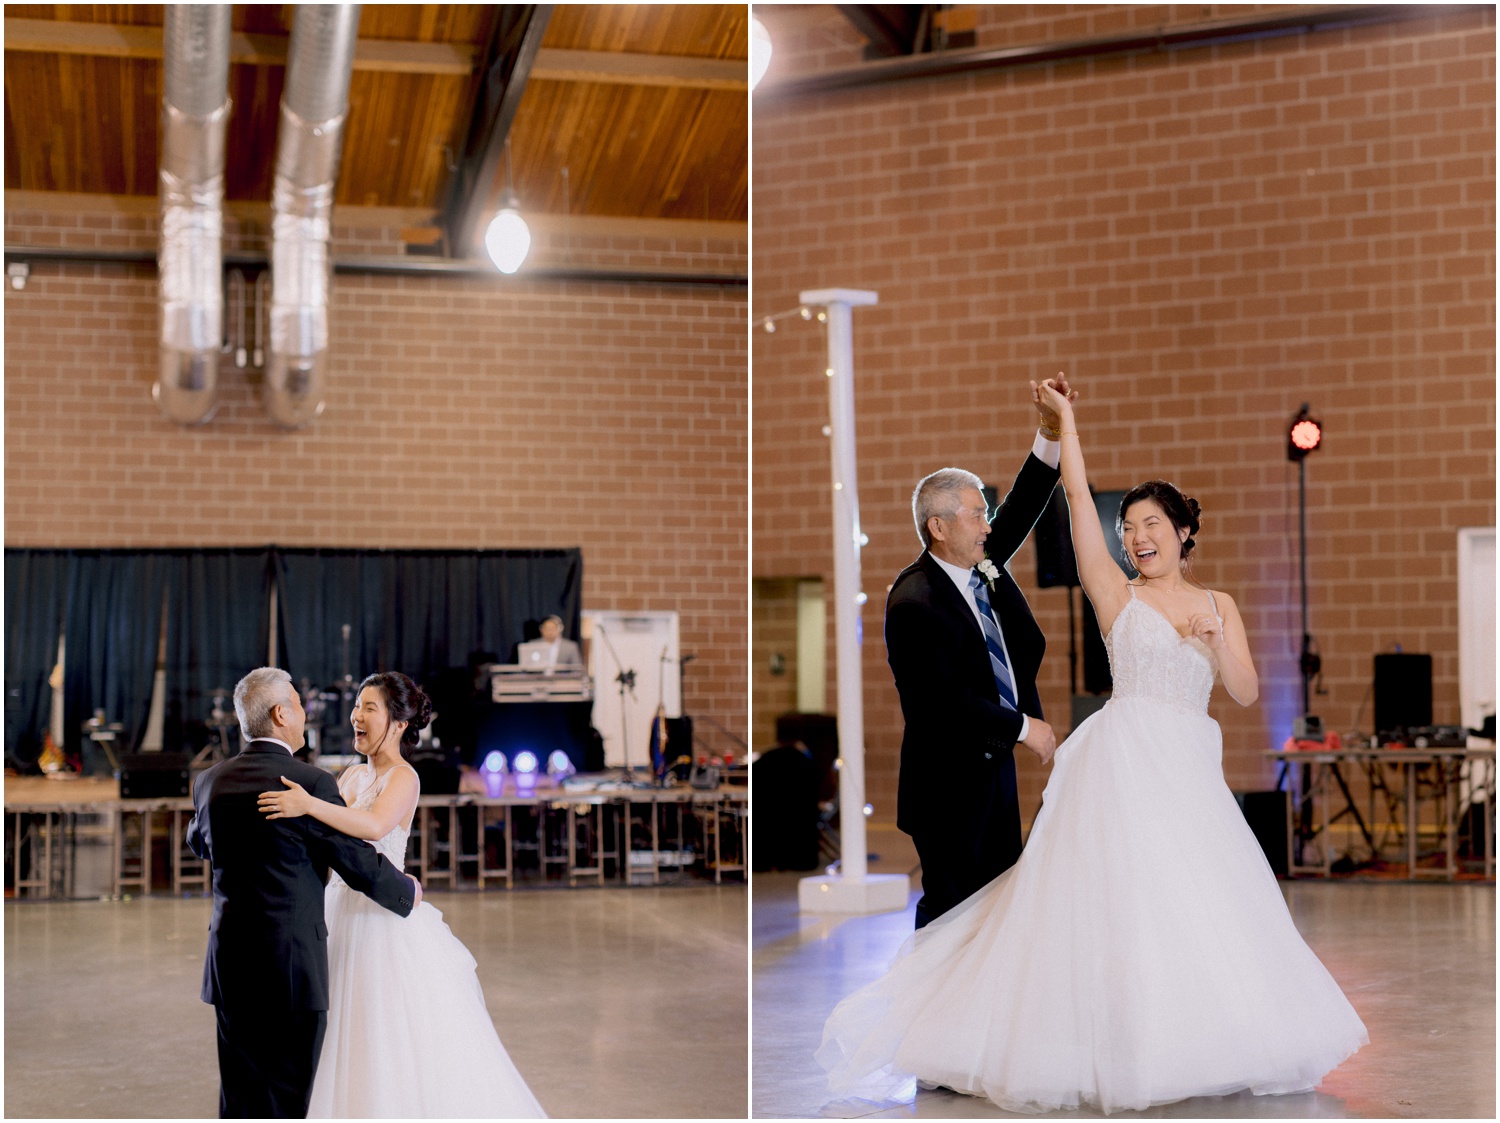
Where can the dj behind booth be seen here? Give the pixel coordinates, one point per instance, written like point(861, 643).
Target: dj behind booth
point(540, 702)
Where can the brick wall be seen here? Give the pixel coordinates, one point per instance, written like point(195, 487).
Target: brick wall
point(460, 413)
point(1203, 240)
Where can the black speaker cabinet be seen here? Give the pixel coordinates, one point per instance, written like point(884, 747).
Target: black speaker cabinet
point(1266, 812)
point(1403, 691)
point(820, 733)
point(1055, 563)
point(680, 744)
point(155, 775)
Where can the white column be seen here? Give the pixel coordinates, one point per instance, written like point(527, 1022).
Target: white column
point(854, 889)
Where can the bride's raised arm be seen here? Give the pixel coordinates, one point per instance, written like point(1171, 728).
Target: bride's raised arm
point(1102, 579)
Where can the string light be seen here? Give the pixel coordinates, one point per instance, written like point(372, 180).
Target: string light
point(769, 322)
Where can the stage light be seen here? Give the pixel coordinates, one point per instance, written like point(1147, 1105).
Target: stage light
point(524, 768)
point(493, 773)
point(1304, 435)
point(760, 51)
point(559, 767)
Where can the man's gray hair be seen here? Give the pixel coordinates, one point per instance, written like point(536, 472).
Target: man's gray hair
point(940, 494)
point(254, 697)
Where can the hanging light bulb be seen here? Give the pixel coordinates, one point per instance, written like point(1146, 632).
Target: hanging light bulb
point(508, 238)
point(760, 51)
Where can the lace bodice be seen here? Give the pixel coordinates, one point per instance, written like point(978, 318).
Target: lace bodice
point(1148, 659)
point(361, 787)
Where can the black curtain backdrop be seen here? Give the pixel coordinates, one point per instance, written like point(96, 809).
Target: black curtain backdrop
point(432, 614)
point(113, 629)
point(218, 630)
point(35, 591)
point(422, 612)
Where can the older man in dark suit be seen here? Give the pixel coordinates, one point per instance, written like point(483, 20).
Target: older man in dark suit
point(965, 650)
point(266, 972)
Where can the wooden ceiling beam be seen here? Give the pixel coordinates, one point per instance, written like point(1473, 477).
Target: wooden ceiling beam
point(40, 36)
point(124, 41)
point(622, 68)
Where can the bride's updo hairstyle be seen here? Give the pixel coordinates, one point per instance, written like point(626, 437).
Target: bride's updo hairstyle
point(404, 701)
point(1182, 511)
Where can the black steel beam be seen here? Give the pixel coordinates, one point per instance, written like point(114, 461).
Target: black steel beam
point(395, 265)
point(942, 63)
point(890, 28)
point(518, 36)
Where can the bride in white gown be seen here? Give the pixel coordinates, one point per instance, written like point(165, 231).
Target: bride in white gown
point(408, 1033)
point(1140, 952)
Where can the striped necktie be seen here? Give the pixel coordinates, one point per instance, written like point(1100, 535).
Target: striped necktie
point(991, 630)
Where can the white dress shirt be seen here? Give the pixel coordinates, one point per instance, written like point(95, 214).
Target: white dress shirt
point(1050, 454)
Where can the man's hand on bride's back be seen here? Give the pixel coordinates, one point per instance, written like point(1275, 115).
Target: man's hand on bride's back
point(416, 893)
point(1040, 739)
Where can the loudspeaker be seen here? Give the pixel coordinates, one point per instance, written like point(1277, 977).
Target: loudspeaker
point(784, 814)
point(1403, 691)
point(1086, 706)
point(680, 744)
point(1055, 563)
point(820, 733)
point(1096, 675)
point(1266, 812)
point(155, 775)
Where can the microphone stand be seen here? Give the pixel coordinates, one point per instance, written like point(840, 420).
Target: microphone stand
point(626, 679)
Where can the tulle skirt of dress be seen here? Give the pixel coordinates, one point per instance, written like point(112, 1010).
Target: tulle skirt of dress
point(1139, 953)
point(408, 1033)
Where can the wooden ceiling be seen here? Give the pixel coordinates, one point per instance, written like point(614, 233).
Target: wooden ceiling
point(646, 106)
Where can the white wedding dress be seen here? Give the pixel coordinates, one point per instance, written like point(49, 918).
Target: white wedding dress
point(408, 1033)
point(1139, 953)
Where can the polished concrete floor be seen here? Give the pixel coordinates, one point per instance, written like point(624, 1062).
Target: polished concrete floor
point(611, 1002)
point(1416, 960)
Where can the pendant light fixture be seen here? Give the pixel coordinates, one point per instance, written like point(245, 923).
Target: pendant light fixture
point(508, 239)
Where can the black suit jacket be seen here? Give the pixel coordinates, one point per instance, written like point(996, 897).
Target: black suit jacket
point(267, 942)
point(957, 767)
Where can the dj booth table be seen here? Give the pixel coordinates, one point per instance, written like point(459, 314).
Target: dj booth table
point(1442, 783)
point(577, 833)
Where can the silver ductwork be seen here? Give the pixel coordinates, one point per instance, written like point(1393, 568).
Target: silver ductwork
point(308, 147)
point(195, 119)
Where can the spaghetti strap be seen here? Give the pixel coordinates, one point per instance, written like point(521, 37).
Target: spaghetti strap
point(1131, 587)
point(1215, 605)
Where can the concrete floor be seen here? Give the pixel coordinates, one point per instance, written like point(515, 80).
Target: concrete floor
point(611, 1002)
point(1416, 960)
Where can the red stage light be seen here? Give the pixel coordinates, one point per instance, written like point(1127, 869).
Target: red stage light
point(1306, 435)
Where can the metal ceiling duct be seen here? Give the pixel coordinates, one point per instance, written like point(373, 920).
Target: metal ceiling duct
point(308, 147)
point(195, 118)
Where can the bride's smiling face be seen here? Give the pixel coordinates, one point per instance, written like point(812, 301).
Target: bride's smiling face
point(1153, 543)
point(373, 729)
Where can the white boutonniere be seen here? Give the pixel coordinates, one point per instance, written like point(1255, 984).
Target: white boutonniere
point(988, 571)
